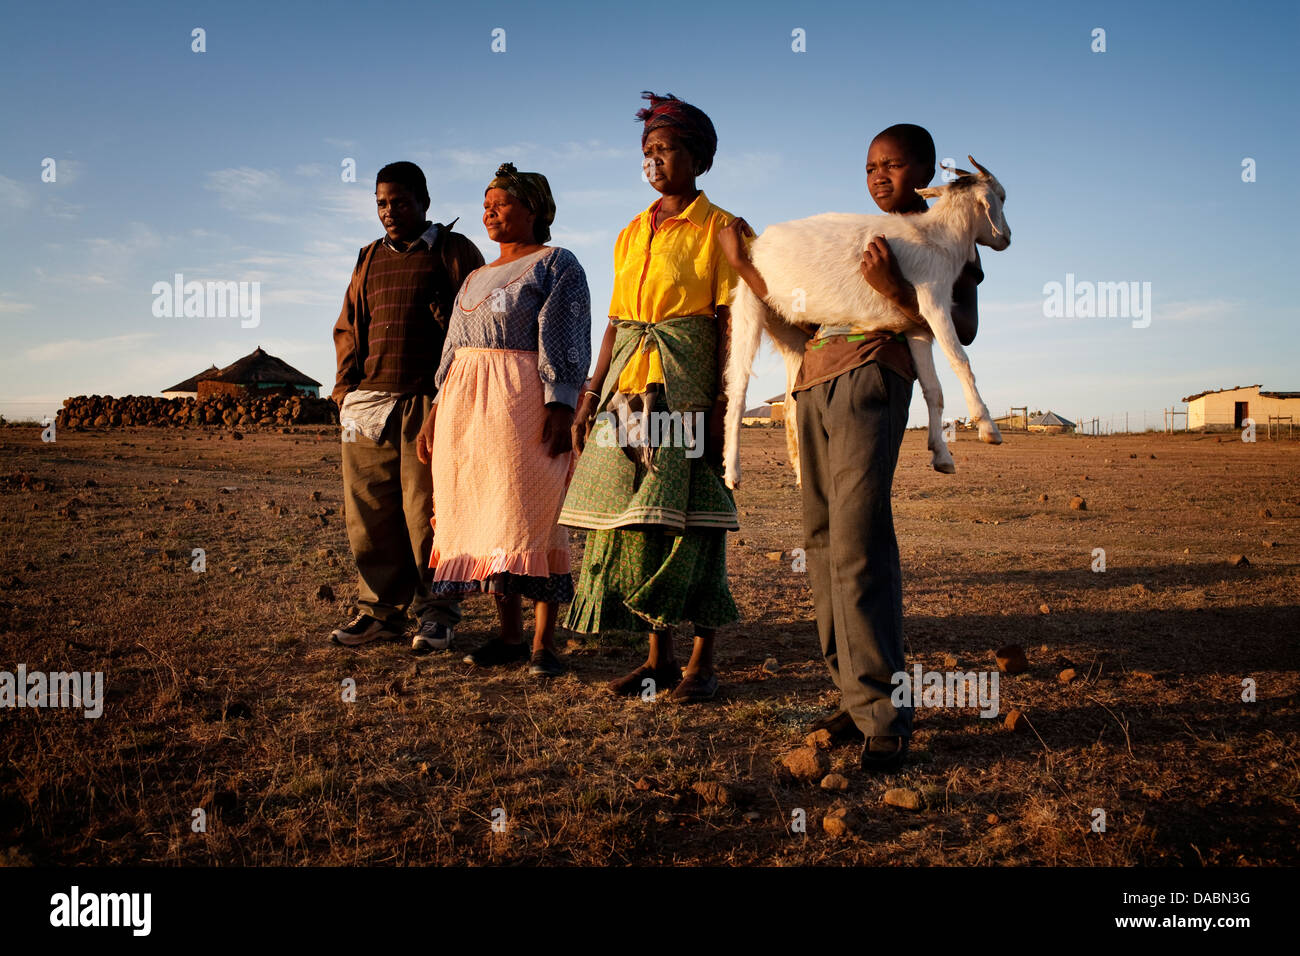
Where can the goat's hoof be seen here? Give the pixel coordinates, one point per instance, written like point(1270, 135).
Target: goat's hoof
point(731, 479)
point(945, 467)
point(989, 433)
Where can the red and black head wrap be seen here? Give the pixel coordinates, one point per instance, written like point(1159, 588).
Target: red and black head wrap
point(692, 126)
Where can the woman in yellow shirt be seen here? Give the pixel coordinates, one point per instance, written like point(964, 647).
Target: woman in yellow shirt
point(648, 486)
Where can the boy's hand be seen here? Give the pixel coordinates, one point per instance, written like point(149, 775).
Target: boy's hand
point(880, 269)
point(557, 433)
point(731, 238)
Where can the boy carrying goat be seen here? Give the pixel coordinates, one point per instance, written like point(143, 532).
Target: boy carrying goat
point(853, 391)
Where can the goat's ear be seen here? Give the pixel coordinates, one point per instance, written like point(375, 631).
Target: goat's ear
point(988, 213)
point(930, 192)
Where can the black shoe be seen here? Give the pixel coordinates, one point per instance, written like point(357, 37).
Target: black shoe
point(883, 754)
point(363, 629)
point(431, 636)
point(841, 727)
point(496, 652)
point(544, 663)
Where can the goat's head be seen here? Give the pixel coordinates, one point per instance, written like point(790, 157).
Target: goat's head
point(986, 192)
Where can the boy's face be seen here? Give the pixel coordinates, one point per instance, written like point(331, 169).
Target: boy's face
point(894, 175)
point(668, 165)
point(400, 211)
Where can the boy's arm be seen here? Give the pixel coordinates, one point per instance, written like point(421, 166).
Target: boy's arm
point(880, 269)
point(965, 301)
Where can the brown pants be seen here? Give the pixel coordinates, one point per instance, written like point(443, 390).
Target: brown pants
point(387, 504)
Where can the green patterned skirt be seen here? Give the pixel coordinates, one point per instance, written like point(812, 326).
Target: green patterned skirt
point(656, 551)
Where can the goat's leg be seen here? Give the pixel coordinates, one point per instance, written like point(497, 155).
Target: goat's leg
point(790, 409)
point(789, 341)
point(922, 349)
point(937, 314)
point(748, 313)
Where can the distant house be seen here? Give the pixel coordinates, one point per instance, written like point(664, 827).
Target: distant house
point(1012, 423)
point(1228, 408)
point(777, 404)
point(257, 372)
point(1051, 423)
point(190, 387)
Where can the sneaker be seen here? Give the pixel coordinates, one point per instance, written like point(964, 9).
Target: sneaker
point(883, 754)
point(362, 629)
point(431, 635)
point(544, 663)
point(496, 652)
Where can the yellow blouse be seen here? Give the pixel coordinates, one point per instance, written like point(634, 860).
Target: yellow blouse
point(677, 269)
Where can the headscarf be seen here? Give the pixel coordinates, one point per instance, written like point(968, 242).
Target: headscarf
point(533, 191)
point(692, 126)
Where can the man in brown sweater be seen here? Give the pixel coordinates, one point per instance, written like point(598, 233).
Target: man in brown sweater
point(388, 340)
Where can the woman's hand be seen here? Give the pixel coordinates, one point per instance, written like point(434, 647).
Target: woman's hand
point(731, 238)
point(424, 440)
point(582, 420)
point(880, 269)
point(557, 429)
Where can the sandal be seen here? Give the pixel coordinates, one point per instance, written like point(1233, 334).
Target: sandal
point(694, 689)
point(633, 684)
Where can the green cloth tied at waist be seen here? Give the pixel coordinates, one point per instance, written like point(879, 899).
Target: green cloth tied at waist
point(688, 350)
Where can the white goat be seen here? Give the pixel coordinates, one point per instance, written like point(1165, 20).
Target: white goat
point(817, 260)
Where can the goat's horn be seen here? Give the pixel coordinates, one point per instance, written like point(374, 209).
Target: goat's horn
point(983, 172)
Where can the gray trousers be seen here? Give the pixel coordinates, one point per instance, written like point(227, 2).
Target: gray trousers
point(387, 504)
point(850, 430)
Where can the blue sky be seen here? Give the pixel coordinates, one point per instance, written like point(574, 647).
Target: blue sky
point(225, 165)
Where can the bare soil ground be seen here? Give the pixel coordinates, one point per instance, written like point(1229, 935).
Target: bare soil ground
point(223, 694)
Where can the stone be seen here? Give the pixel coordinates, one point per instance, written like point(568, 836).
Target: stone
point(1265, 513)
point(1016, 721)
point(1067, 676)
point(773, 555)
point(325, 593)
point(772, 665)
point(1011, 659)
point(713, 792)
point(1268, 543)
point(1079, 503)
point(1239, 561)
point(993, 818)
point(840, 823)
point(835, 781)
point(1042, 497)
point(903, 798)
point(807, 764)
point(1044, 609)
point(820, 739)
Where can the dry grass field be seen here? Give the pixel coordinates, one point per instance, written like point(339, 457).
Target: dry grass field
point(223, 693)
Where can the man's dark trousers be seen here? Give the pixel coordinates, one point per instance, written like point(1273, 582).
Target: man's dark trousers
point(387, 504)
point(850, 429)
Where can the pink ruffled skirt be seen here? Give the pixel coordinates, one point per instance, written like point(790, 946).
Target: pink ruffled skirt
point(496, 493)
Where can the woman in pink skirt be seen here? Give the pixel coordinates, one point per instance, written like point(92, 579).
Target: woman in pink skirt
point(513, 366)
